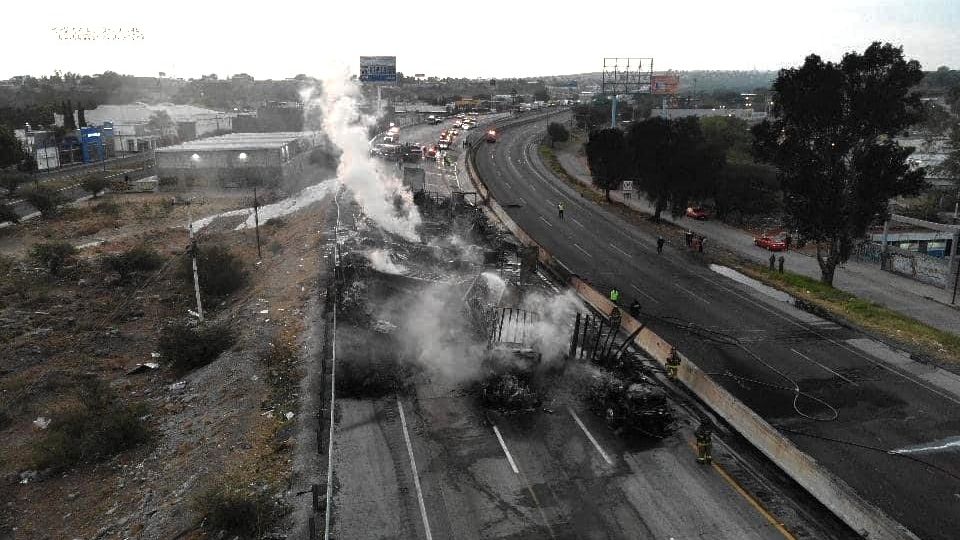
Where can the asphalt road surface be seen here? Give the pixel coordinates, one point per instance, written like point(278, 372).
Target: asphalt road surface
point(889, 432)
point(435, 465)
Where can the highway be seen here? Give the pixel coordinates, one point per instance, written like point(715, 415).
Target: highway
point(834, 391)
point(433, 464)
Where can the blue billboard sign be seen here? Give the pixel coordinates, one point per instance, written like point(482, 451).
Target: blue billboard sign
point(382, 69)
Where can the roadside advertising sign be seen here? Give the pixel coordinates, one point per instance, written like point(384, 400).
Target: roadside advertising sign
point(381, 69)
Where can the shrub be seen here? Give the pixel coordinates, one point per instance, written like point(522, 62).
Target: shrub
point(558, 132)
point(189, 347)
point(53, 255)
point(238, 508)
point(221, 273)
point(44, 199)
point(11, 181)
point(136, 260)
point(7, 214)
point(94, 184)
point(99, 427)
point(109, 208)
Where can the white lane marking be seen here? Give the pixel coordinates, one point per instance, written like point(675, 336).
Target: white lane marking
point(581, 249)
point(577, 222)
point(545, 221)
point(524, 201)
point(416, 475)
point(693, 294)
point(503, 445)
point(590, 436)
point(805, 357)
point(507, 184)
point(620, 250)
point(643, 293)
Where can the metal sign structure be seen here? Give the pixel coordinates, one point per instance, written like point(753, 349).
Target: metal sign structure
point(378, 69)
point(625, 76)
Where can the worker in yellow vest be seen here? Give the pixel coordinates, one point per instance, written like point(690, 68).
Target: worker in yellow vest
point(615, 295)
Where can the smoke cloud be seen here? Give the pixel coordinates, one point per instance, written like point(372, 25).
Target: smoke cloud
point(552, 331)
point(379, 192)
point(381, 261)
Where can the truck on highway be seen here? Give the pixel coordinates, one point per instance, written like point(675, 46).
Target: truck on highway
point(433, 120)
point(491, 136)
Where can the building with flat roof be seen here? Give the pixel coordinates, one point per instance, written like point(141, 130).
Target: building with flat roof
point(238, 160)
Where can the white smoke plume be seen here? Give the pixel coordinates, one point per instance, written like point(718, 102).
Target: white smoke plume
point(382, 195)
point(554, 327)
point(381, 261)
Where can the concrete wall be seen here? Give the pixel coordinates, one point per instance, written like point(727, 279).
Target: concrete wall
point(833, 492)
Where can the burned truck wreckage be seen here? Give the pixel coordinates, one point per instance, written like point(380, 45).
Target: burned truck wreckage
point(467, 307)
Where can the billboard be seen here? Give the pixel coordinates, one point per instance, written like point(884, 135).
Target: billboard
point(665, 84)
point(382, 69)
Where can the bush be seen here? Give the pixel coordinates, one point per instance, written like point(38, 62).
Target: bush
point(11, 181)
point(189, 347)
point(98, 428)
point(238, 508)
point(107, 208)
point(136, 260)
point(44, 199)
point(558, 132)
point(53, 255)
point(221, 273)
point(94, 184)
point(7, 214)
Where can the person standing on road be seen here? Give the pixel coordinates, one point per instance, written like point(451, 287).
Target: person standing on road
point(660, 242)
point(560, 209)
point(703, 240)
point(615, 296)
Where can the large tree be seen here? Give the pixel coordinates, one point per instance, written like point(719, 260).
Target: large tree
point(608, 160)
point(832, 140)
point(672, 161)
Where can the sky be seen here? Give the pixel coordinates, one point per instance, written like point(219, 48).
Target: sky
point(492, 38)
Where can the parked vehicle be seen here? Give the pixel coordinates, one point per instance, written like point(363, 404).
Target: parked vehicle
point(770, 243)
point(695, 212)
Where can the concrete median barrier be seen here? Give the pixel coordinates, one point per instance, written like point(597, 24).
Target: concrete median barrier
point(829, 489)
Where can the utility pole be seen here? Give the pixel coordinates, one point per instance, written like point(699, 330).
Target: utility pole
point(256, 221)
point(193, 256)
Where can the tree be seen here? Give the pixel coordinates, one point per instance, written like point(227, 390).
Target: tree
point(607, 157)
point(673, 161)
point(44, 199)
point(541, 95)
point(11, 152)
point(832, 140)
point(68, 120)
point(730, 135)
point(950, 167)
point(160, 123)
point(81, 116)
point(557, 133)
point(94, 184)
point(953, 99)
point(936, 120)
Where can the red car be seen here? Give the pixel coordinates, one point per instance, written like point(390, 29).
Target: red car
point(770, 243)
point(697, 213)
point(431, 152)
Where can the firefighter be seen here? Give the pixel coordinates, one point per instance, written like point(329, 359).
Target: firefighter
point(660, 242)
point(704, 437)
point(780, 262)
point(615, 296)
point(673, 364)
point(635, 309)
point(560, 209)
point(773, 261)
